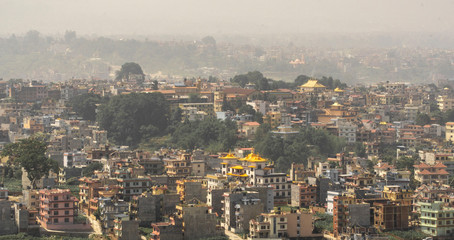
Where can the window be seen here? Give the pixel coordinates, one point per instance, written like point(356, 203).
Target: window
point(55, 212)
point(66, 212)
point(56, 205)
point(66, 204)
point(56, 198)
point(55, 220)
point(66, 220)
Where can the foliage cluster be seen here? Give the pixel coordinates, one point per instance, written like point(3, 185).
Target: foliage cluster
point(308, 142)
point(91, 168)
point(85, 105)
point(29, 153)
point(324, 222)
point(416, 235)
point(131, 118)
point(211, 134)
point(262, 83)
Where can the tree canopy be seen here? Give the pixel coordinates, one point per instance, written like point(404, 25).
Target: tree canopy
point(308, 142)
point(29, 153)
point(211, 134)
point(131, 118)
point(85, 105)
point(128, 69)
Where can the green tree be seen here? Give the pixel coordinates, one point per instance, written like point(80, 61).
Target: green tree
point(85, 105)
point(422, 119)
point(128, 69)
point(91, 168)
point(30, 154)
point(130, 119)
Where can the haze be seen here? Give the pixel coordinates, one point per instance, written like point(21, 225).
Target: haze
point(216, 17)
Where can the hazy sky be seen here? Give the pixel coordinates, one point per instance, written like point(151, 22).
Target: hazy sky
point(150, 17)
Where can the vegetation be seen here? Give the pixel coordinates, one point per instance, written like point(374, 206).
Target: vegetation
point(324, 222)
point(262, 83)
point(91, 168)
point(29, 153)
point(422, 119)
point(308, 142)
point(416, 235)
point(85, 105)
point(128, 70)
point(211, 134)
point(24, 236)
point(131, 118)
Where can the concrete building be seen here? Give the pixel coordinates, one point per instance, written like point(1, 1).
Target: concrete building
point(279, 225)
point(125, 229)
point(7, 224)
point(450, 131)
point(436, 219)
point(147, 208)
point(57, 209)
point(197, 221)
point(240, 207)
point(303, 195)
point(391, 216)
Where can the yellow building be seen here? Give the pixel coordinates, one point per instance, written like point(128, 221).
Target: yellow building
point(396, 194)
point(450, 131)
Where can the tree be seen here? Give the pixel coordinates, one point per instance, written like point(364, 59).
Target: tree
point(128, 70)
point(29, 153)
point(85, 105)
point(91, 168)
point(130, 119)
point(422, 119)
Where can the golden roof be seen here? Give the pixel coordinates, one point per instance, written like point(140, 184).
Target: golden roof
point(338, 90)
point(238, 167)
point(313, 84)
point(229, 156)
point(336, 104)
point(252, 157)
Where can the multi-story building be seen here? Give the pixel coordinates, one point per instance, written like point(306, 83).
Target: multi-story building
point(88, 189)
point(397, 194)
point(350, 217)
point(303, 195)
point(56, 209)
point(445, 103)
point(293, 224)
point(450, 131)
point(240, 207)
point(436, 219)
point(124, 228)
point(178, 167)
point(427, 174)
point(197, 221)
point(391, 215)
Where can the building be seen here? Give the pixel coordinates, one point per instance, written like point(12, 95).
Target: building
point(391, 215)
point(436, 219)
point(197, 221)
point(350, 217)
point(445, 103)
point(279, 225)
point(303, 195)
point(427, 174)
point(57, 209)
point(7, 224)
point(450, 131)
point(125, 229)
point(239, 208)
point(88, 189)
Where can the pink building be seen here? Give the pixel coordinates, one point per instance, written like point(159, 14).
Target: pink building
point(57, 210)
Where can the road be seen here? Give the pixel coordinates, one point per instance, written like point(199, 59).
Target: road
point(232, 236)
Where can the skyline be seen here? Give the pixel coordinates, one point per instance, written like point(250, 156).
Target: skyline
point(139, 17)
